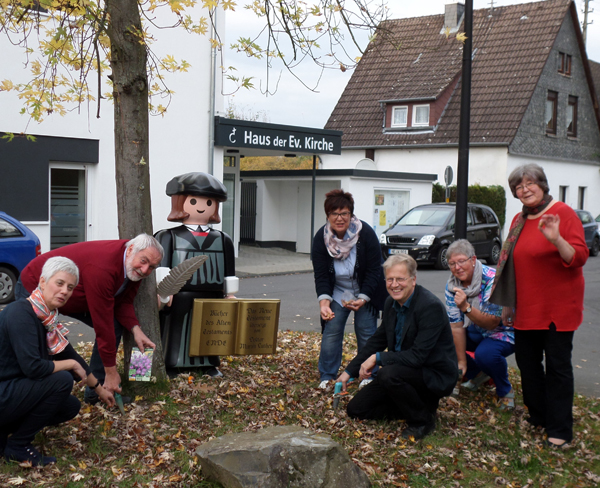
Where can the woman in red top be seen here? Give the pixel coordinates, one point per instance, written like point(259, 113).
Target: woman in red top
point(540, 277)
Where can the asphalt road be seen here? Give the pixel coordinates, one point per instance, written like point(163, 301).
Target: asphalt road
point(300, 311)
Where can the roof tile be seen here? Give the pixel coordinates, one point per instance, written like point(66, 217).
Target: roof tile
point(410, 59)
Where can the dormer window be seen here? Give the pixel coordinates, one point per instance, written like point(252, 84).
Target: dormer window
point(400, 116)
point(409, 116)
point(420, 115)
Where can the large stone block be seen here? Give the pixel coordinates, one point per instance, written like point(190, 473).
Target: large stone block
point(279, 457)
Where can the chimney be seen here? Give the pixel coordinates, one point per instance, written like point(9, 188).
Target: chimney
point(453, 16)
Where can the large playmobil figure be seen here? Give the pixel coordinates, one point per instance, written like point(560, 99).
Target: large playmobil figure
point(195, 199)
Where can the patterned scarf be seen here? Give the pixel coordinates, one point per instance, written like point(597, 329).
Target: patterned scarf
point(55, 331)
point(340, 248)
point(504, 290)
point(472, 291)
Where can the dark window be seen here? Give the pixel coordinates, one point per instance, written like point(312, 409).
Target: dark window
point(585, 217)
point(490, 216)
point(562, 193)
point(8, 230)
point(581, 201)
point(479, 215)
point(572, 117)
point(564, 63)
point(551, 107)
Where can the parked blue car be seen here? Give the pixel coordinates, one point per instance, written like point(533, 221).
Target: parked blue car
point(18, 246)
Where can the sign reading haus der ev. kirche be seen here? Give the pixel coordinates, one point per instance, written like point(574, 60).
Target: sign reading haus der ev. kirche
point(259, 135)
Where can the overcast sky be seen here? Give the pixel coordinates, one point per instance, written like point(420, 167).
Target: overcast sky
point(294, 104)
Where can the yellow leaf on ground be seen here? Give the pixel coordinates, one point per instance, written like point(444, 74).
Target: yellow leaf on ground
point(16, 481)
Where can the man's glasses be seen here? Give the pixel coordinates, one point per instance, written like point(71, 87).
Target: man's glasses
point(343, 215)
point(460, 263)
point(401, 281)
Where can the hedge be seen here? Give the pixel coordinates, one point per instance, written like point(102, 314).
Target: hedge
point(493, 196)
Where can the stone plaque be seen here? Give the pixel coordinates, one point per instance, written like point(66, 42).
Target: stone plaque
point(234, 327)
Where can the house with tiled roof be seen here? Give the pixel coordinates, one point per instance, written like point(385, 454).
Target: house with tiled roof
point(532, 100)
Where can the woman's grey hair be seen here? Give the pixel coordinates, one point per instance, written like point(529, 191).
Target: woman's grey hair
point(405, 259)
point(144, 241)
point(56, 265)
point(460, 246)
point(532, 171)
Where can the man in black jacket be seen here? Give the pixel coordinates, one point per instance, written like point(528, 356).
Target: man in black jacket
point(419, 366)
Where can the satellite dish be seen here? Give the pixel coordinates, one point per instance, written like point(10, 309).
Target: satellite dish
point(366, 163)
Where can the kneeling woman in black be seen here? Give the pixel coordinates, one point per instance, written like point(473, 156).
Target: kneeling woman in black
point(38, 365)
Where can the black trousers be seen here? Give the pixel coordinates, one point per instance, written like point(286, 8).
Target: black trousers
point(35, 404)
point(547, 393)
point(397, 392)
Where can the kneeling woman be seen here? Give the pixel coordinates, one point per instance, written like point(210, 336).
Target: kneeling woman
point(476, 324)
point(37, 365)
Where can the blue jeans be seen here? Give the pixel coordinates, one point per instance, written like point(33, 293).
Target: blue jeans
point(490, 357)
point(365, 325)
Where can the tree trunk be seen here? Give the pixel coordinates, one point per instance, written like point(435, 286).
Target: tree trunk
point(130, 89)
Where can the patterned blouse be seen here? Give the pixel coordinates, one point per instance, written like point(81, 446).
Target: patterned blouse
point(500, 333)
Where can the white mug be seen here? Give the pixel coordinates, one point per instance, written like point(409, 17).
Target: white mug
point(232, 285)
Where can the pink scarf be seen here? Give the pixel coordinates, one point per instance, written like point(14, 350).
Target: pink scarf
point(55, 331)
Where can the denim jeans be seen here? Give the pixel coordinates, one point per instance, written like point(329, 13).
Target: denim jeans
point(365, 325)
point(490, 357)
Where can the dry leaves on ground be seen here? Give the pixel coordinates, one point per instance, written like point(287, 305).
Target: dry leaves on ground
point(154, 443)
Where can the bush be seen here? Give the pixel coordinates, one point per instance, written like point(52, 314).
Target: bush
point(493, 196)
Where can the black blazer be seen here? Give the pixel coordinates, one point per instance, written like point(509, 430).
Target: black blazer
point(427, 342)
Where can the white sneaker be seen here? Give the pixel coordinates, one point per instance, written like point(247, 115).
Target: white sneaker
point(324, 384)
point(364, 383)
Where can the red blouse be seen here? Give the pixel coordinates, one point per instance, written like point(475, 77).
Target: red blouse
point(548, 289)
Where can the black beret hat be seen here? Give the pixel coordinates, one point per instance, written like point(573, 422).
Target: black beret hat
point(199, 184)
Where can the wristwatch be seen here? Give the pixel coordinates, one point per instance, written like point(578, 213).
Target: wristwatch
point(469, 309)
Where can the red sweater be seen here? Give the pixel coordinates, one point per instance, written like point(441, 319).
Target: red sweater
point(548, 289)
point(101, 274)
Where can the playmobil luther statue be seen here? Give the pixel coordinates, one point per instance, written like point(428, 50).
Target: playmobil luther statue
point(195, 199)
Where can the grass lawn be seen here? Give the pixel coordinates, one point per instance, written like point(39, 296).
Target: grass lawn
point(154, 444)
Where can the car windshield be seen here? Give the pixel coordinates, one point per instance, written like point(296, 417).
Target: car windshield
point(426, 216)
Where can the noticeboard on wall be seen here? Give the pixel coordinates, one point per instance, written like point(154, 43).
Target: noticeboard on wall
point(389, 206)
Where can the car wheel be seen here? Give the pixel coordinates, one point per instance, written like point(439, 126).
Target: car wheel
point(494, 254)
point(595, 247)
point(442, 260)
point(7, 285)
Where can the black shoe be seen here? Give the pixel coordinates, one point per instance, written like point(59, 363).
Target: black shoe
point(556, 447)
point(27, 453)
point(213, 372)
point(418, 431)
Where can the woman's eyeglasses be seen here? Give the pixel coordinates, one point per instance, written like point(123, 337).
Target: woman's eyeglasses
point(524, 186)
point(344, 215)
point(460, 263)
